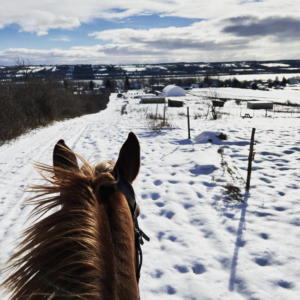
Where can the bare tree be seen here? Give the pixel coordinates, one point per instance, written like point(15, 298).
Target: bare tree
point(211, 109)
point(22, 65)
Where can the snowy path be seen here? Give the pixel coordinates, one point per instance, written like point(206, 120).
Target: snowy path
point(202, 247)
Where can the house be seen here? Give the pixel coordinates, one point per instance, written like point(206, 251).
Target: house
point(294, 81)
point(186, 87)
point(262, 87)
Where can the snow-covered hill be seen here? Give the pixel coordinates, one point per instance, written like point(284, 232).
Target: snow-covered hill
point(202, 246)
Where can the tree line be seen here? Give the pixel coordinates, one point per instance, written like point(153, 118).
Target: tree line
point(34, 103)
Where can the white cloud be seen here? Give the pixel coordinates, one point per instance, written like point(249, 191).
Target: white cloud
point(61, 39)
point(227, 33)
point(41, 16)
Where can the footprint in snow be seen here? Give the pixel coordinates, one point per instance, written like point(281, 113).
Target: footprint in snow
point(158, 182)
point(181, 269)
point(264, 236)
point(187, 206)
point(170, 290)
point(155, 196)
point(265, 180)
point(172, 238)
point(288, 152)
point(169, 214)
point(157, 274)
point(160, 235)
point(279, 208)
point(173, 181)
point(285, 284)
point(198, 269)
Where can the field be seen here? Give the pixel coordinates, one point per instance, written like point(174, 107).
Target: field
point(204, 244)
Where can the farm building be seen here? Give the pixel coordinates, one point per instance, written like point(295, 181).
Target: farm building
point(173, 91)
point(294, 81)
point(259, 105)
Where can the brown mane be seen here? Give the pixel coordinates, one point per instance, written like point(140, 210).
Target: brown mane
point(82, 244)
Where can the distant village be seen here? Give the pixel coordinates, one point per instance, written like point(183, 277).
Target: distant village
point(23, 71)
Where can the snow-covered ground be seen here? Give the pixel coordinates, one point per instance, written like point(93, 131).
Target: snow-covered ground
point(291, 93)
point(202, 246)
point(261, 76)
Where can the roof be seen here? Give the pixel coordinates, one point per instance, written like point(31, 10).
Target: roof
point(173, 90)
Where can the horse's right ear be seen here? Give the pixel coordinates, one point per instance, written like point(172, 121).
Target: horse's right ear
point(64, 158)
point(129, 161)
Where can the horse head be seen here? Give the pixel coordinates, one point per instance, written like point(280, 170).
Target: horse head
point(85, 242)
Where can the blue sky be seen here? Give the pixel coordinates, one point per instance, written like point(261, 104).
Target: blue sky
point(144, 31)
point(12, 36)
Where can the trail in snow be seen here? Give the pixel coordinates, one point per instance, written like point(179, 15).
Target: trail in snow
point(202, 247)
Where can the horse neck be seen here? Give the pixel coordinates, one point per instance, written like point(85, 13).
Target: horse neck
point(123, 242)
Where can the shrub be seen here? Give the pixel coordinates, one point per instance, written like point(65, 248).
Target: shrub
point(30, 104)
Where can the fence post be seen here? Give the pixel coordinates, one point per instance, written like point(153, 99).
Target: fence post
point(250, 160)
point(165, 113)
point(188, 119)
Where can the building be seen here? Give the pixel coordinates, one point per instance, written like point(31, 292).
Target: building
point(173, 91)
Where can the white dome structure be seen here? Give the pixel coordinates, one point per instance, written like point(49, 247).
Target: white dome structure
point(173, 91)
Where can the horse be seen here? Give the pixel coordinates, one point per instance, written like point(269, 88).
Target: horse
point(85, 240)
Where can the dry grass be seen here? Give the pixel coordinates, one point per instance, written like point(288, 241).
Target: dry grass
point(233, 193)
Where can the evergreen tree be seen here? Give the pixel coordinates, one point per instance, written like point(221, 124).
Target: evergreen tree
point(276, 81)
point(284, 81)
point(91, 85)
point(127, 84)
point(108, 84)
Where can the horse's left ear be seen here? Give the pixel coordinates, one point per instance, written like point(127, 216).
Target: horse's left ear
point(63, 157)
point(129, 161)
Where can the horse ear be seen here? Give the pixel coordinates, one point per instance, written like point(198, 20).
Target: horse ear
point(63, 157)
point(129, 161)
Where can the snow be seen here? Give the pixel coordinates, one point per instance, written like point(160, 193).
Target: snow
point(133, 68)
point(260, 76)
point(273, 95)
point(273, 65)
point(202, 246)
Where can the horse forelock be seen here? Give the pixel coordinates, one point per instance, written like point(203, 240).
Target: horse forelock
point(68, 252)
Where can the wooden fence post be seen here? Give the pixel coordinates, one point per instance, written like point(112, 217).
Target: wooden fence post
point(165, 113)
point(250, 160)
point(188, 119)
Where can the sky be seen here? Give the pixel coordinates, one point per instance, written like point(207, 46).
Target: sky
point(148, 31)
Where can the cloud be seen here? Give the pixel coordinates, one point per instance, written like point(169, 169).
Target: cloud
point(283, 27)
point(39, 17)
point(236, 35)
point(62, 39)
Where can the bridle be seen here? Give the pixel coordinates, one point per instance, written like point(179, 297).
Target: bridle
point(127, 190)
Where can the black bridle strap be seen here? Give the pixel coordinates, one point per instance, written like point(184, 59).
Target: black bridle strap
point(127, 190)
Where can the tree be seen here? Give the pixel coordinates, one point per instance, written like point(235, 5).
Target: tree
point(108, 84)
point(284, 81)
point(126, 84)
point(276, 81)
point(23, 66)
point(235, 83)
point(91, 85)
point(66, 83)
point(254, 86)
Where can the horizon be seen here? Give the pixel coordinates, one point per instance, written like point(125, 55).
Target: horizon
point(162, 63)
